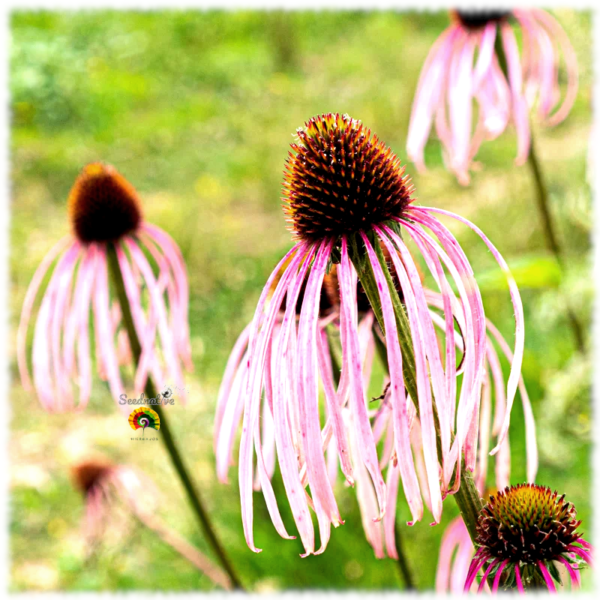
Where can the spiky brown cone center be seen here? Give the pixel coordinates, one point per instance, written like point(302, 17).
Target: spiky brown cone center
point(527, 523)
point(477, 18)
point(88, 474)
point(340, 179)
point(103, 205)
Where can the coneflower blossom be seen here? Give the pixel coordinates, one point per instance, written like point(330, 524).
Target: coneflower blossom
point(105, 209)
point(107, 488)
point(346, 193)
point(463, 66)
point(523, 534)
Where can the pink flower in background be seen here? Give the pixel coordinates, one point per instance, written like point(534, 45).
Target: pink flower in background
point(109, 488)
point(346, 194)
point(463, 82)
point(104, 209)
point(525, 534)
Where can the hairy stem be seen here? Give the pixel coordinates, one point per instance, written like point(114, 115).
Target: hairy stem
point(167, 437)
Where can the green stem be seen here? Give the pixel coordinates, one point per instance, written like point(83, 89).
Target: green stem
point(467, 497)
point(552, 242)
point(166, 435)
point(403, 568)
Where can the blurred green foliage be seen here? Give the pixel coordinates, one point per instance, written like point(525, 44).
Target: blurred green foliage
point(197, 109)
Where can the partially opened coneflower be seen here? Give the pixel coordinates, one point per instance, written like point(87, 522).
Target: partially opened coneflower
point(524, 534)
point(346, 196)
point(108, 489)
point(471, 95)
point(105, 210)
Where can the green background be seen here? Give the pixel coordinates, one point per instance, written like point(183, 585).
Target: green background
point(197, 110)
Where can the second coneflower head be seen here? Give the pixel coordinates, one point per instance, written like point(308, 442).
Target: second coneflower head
point(475, 73)
point(106, 217)
point(523, 534)
point(346, 197)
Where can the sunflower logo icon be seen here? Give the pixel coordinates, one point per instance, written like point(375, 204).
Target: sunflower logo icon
point(144, 417)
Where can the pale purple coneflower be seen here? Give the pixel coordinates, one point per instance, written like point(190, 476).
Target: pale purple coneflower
point(525, 534)
point(105, 209)
point(346, 193)
point(110, 490)
point(463, 70)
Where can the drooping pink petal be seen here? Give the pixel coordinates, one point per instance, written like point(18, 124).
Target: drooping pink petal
point(519, 104)
point(547, 577)
point(322, 493)
point(428, 95)
point(351, 361)
point(104, 330)
point(261, 329)
point(28, 303)
point(574, 573)
point(557, 32)
point(515, 372)
point(398, 394)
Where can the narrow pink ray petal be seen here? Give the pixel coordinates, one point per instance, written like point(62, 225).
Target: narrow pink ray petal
point(518, 577)
point(558, 33)
point(104, 330)
point(351, 361)
point(581, 552)
point(398, 394)
point(334, 409)
point(28, 303)
point(175, 258)
point(83, 307)
point(233, 364)
point(459, 98)
point(158, 305)
point(574, 573)
point(322, 493)
point(515, 371)
point(365, 494)
point(547, 577)
point(484, 438)
point(487, 572)
point(389, 519)
point(422, 334)
point(428, 95)
point(259, 334)
point(283, 373)
point(486, 54)
point(230, 421)
point(436, 370)
point(519, 105)
point(498, 575)
point(145, 326)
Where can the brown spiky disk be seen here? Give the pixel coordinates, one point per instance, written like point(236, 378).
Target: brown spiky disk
point(340, 178)
point(527, 523)
point(103, 205)
point(88, 473)
point(477, 18)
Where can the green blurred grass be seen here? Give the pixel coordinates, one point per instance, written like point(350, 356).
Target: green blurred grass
point(197, 109)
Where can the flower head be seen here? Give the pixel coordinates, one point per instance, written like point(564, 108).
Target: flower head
point(524, 532)
point(112, 492)
point(477, 60)
point(341, 179)
point(105, 213)
point(283, 353)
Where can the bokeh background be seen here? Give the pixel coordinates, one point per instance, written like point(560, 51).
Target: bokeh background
point(197, 110)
